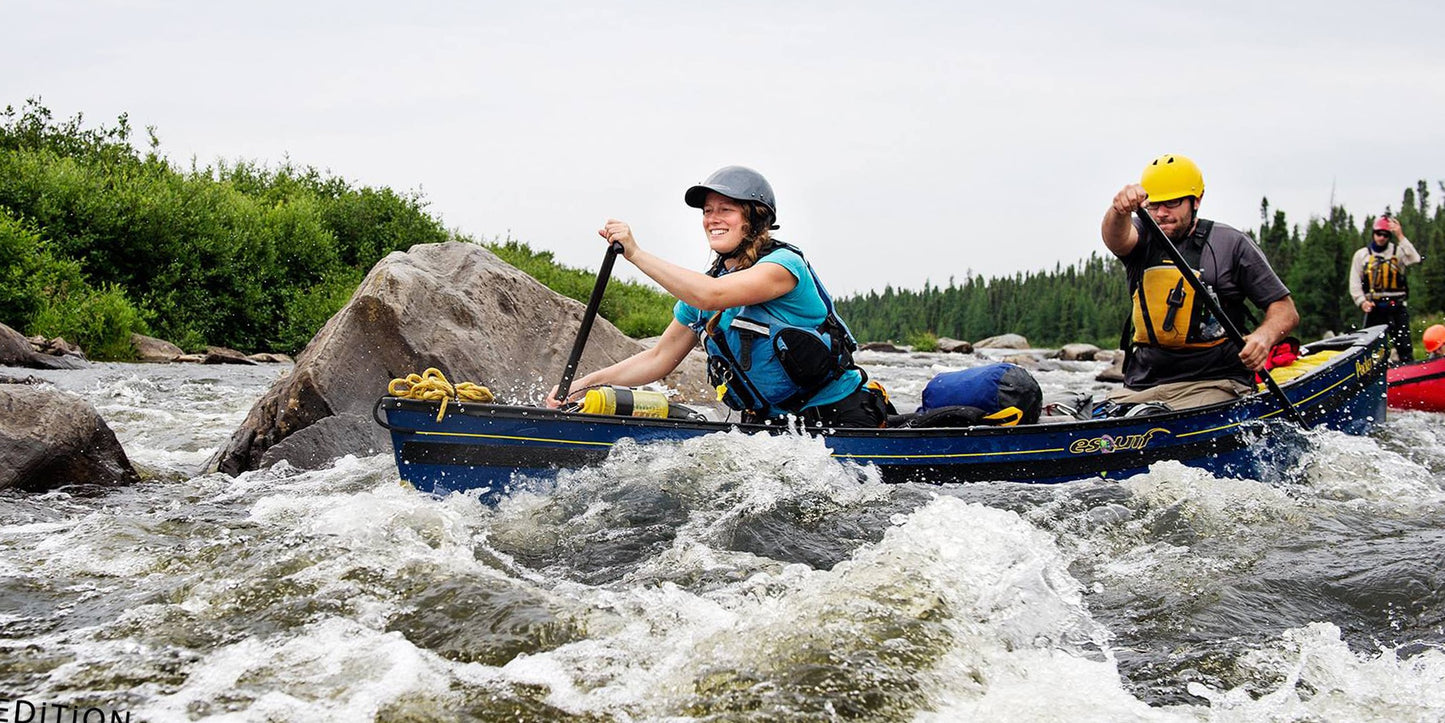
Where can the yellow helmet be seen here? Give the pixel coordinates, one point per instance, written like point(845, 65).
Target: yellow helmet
point(1172, 176)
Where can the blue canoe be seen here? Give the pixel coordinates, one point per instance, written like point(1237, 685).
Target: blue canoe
point(492, 447)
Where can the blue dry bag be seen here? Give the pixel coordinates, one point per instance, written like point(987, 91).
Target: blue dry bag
point(991, 387)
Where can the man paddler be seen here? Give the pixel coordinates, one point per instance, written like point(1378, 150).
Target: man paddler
point(1179, 354)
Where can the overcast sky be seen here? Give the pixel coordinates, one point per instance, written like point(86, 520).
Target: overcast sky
point(906, 141)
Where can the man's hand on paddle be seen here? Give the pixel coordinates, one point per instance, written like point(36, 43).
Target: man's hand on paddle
point(1117, 229)
point(1256, 349)
point(1280, 318)
point(1130, 199)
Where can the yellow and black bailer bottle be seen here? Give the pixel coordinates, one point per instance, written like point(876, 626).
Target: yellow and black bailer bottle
point(625, 402)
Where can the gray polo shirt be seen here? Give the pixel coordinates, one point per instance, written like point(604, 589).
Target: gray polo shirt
point(1235, 268)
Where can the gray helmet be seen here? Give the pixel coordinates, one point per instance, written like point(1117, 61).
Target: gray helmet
point(735, 182)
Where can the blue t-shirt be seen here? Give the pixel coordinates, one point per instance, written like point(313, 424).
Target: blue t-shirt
point(803, 306)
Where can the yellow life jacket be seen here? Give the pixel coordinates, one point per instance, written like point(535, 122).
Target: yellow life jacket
point(1383, 277)
point(1169, 314)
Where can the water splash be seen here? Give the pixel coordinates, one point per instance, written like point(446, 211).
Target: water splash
point(1311, 674)
point(727, 577)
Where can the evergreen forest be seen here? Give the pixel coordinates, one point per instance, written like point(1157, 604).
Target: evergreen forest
point(100, 239)
point(1088, 301)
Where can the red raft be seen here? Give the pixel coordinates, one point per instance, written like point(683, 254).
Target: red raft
point(1419, 385)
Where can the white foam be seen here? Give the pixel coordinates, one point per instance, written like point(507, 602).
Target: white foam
point(333, 670)
point(967, 612)
point(1352, 468)
point(1322, 679)
point(958, 582)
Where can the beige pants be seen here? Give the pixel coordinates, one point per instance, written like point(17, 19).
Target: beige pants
point(1183, 395)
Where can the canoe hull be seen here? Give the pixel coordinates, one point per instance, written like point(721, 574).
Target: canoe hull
point(492, 448)
point(1419, 386)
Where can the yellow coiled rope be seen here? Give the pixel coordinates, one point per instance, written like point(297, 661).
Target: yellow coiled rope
point(432, 385)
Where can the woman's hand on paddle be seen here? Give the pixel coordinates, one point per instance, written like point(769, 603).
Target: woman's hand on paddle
point(551, 401)
point(615, 231)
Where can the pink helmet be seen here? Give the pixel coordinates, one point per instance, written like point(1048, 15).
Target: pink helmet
point(1382, 223)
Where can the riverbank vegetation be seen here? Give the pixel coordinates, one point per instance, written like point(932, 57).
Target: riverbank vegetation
point(637, 310)
point(99, 239)
point(120, 241)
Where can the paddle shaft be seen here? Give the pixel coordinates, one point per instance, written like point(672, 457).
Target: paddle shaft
point(568, 372)
point(1230, 329)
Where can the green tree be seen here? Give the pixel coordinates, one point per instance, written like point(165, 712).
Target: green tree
point(1279, 242)
point(1319, 278)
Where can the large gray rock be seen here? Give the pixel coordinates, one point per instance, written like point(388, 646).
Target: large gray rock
point(17, 351)
point(316, 446)
point(1003, 341)
point(1078, 352)
point(223, 355)
point(954, 346)
point(50, 439)
point(453, 306)
point(152, 350)
point(14, 347)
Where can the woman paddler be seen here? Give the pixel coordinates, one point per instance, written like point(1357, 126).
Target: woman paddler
point(774, 342)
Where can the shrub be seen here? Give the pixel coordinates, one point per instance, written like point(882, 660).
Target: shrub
point(637, 310)
point(41, 294)
point(99, 320)
point(220, 255)
point(21, 259)
point(307, 310)
point(922, 341)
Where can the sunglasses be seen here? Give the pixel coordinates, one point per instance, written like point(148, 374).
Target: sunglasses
point(1171, 203)
point(1381, 232)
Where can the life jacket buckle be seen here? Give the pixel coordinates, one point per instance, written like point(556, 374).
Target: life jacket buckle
point(748, 332)
point(1175, 300)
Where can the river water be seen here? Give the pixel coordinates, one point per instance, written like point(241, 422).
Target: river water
point(723, 579)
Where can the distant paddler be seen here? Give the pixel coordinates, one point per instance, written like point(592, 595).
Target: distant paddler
point(1377, 282)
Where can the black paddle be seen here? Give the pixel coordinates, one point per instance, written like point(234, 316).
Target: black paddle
point(1230, 329)
point(570, 370)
